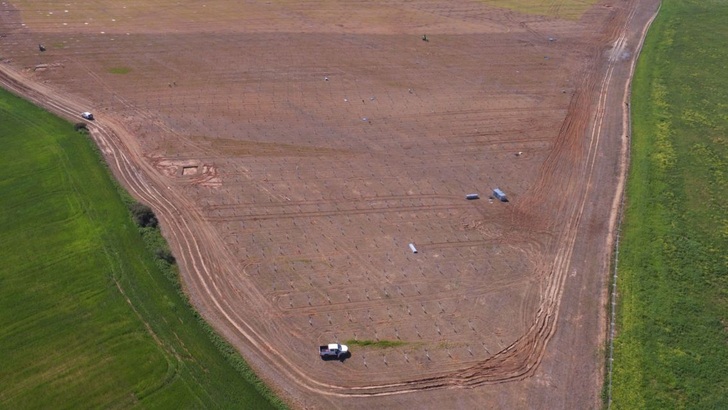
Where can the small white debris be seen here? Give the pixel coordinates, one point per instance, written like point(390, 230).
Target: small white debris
point(326, 78)
point(412, 248)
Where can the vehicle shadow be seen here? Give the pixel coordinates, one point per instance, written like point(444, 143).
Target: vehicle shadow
point(341, 358)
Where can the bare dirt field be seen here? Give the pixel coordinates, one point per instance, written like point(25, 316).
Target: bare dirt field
point(294, 150)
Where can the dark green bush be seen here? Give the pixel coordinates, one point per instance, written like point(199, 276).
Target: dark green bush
point(165, 254)
point(143, 215)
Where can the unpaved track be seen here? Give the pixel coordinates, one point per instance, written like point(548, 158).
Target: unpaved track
point(569, 169)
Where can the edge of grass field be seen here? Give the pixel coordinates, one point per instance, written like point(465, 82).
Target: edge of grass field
point(133, 288)
point(672, 315)
point(611, 305)
point(153, 237)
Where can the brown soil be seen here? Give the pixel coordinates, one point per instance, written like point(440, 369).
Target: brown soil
point(324, 141)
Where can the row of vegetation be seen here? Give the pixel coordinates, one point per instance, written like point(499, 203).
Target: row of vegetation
point(375, 343)
point(672, 345)
point(563, 9)
point(91, 308)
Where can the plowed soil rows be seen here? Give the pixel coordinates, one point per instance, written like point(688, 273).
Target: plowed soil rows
point(295, 150)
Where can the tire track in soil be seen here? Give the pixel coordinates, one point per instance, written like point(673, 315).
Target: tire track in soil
point(335, 213)
point(491, 287)
point(198, 243)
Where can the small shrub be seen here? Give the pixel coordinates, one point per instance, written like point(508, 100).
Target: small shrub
point(165, 255)
point(80, 127)
point(143, 215)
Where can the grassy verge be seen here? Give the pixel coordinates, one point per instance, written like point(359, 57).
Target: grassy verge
point(119, 70)
point(90, 310)
point(671, 350)
point(375, 343)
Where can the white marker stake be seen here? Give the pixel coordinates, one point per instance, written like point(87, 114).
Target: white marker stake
point(412, 246)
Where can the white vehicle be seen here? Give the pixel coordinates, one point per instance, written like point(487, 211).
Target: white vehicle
point(333, 351)
point(87, 115)
point(500, 195)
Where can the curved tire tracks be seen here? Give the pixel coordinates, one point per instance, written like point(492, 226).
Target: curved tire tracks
point(206, 260)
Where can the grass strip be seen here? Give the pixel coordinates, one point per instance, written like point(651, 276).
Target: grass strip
point(381, 344)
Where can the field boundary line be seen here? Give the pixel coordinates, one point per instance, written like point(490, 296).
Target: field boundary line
point(624, 168)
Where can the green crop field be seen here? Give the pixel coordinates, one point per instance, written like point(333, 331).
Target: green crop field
point(88, 315)
point(672, 345)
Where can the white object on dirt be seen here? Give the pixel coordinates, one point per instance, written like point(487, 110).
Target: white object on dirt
point(412, 247)
point(333, 350)
point(500, 195)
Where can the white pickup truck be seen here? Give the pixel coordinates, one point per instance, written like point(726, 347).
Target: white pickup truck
point(333, 351)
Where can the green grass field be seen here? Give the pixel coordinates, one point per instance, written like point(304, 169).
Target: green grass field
point(672, 345)
point(88, 318)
